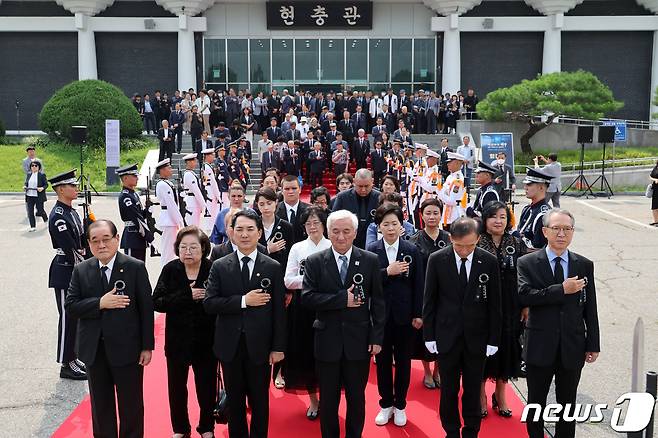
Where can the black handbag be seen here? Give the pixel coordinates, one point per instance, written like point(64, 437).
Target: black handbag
point(220, 412)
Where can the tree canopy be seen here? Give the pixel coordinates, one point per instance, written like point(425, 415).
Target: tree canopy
point(577, 94)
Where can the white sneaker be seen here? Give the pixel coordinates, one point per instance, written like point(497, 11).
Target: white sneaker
point(384, 415)
point(32, 229)
point(399, 417)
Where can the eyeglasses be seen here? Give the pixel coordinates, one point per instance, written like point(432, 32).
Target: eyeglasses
point(556, 230)
point(105, 241)
point(191, 248)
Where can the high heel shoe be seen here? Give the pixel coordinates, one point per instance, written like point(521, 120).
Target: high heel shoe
point(506, 413)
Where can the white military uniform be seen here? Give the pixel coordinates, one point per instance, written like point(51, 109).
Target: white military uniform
point(169, 221)
point(195, 203)
point(214, 196)
point(453, 195)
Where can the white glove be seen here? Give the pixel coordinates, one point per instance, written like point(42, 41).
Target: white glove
point(491, 350)
point(431, 347)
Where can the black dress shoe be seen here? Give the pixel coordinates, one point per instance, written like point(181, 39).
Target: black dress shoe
point(72, 372)
point(312, 415)
point(506, 413)
point(80, 365)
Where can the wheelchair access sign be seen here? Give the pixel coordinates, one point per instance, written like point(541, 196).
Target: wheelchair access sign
point(620, 128)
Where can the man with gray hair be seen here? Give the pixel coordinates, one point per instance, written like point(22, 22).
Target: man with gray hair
point(562, 333)
point(343, 286)
point(362, 200)
point(462, 323)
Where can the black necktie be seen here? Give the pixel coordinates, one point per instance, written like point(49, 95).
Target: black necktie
point(558, 274)
point(106, 284)
point(245, 271)
point(292, 216)
point(463, 278)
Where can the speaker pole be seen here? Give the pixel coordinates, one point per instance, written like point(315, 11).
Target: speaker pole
point(606, 190)
point(580, 179)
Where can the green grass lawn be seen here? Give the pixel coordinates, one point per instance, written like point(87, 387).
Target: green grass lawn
point(591, 154)
point(59, 157)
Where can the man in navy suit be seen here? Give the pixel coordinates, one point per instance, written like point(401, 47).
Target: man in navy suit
point(362, 200)
point(176, 120)
point(274, 132)
point(403, 279)
point(270, 159)
point(378, 161)
point(359, 119)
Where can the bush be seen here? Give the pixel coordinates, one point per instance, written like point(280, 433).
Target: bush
point(89, 103)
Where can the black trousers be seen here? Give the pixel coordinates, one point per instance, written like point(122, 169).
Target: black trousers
point(138, 253)
point(179, 138)
point(378, 176)
point(431, 122)
point(398, 341)
point(247, 380)
point(361, 163)
point(566, 386)
point(460, 362)
point(353, 374)
point(205, 384)
point(149, 123)
point(166, 150)
point(316, 180)
point(67, 328)
point(127, 383)
point(32, 202)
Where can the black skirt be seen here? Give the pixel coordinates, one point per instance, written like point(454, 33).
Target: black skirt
point(299, 366)
point(654, 197)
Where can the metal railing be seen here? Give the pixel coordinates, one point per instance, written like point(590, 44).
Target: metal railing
point(593, 165)
point(566, 120)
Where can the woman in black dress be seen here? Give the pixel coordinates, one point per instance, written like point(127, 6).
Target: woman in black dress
point(428, 240)
point(495, 237)
point(189, 331)
point(654, 195)
point(299, 365)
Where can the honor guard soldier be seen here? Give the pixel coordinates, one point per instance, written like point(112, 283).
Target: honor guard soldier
point(195, 202)
point(214, 202)
point(170, 219)
point(487, 192)
point(223, 176)
point(530, 223)
point(67, 236)
point(453, 191)
point(136, 235)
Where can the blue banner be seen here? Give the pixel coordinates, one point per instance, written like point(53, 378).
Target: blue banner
point(494, 143)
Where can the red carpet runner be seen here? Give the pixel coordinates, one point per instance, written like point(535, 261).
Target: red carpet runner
point(287, 412)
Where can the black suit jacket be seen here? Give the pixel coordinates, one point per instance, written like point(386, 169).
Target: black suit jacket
point(274, 133)
point(285, 228)
point(298, 229)
point(264, 327)
point(557, 320)
point(403, 294)
point(224, 249)
point(362, 123)
point(266, 163)
point(340, 329)
point(359, 151)
point(347, 201)
point(449, 315)
point(42, 181)
point(125, 332)
point(170, 137)
point(377, 161)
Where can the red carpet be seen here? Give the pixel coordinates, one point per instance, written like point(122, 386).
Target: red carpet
point(287, 412)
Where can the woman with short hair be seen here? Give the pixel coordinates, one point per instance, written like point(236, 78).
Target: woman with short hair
point(189, 331)
point(35, 187)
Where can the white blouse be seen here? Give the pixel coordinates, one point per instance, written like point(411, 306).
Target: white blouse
point(300, 251)
point(32, 185)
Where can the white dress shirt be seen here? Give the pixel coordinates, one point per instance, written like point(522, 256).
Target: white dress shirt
point(251, 263)
point(392, 250)
point(469, 262)
point(337, 255)
point(109, 265)
point(300, 251)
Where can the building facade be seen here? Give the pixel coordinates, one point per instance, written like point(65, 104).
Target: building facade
point(443, 45)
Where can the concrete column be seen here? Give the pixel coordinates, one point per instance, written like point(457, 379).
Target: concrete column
point(653, 109)
point(87, 68)
point(186, 56)
point(451, 72)
point(552, 59)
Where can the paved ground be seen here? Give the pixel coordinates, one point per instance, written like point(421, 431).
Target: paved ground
point(34, 401)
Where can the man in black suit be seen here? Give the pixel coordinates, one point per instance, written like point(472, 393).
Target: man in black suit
point(349, 326)
point(274, 132)
point(317, 163)
point(293, 133)
point(245, 290)
point(462, 323)
point(378, 161)
point(176, 120)
point(359, 119)
point(443, 161)
point(388, 118)
point(270, 159)
point(360, 149)
point(403, 279)
point(291, 208)
point(203, 143)
point(166, 137)
point(362, 200)
point(110, 295)
point(562, 330)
